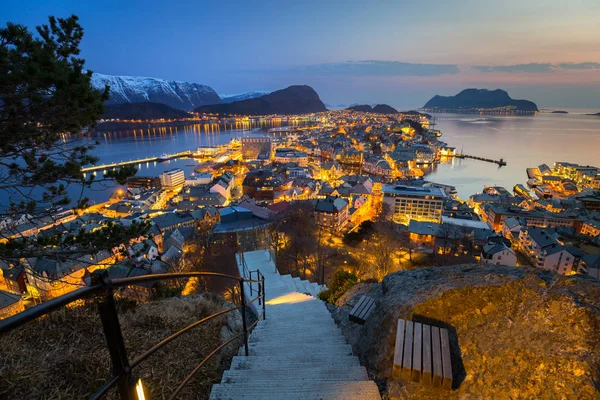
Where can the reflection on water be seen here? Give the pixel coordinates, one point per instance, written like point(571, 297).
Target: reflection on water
point(524, 141)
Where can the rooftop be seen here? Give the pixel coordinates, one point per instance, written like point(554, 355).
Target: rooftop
point(413, 190)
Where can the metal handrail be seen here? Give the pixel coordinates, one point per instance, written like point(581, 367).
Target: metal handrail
point(102, 286)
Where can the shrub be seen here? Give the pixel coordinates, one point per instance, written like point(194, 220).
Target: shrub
point(341, 282)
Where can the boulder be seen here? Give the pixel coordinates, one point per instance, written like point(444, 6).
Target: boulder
point(514, 332)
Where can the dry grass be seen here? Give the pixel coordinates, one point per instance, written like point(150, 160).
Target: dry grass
point(64, 355)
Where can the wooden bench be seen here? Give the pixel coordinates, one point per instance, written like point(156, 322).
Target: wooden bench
point(422, 354)
point(362, 310)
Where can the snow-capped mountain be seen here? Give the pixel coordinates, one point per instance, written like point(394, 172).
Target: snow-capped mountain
point(230, 98)
point(130, 89)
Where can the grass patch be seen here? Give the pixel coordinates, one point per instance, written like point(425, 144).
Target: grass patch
point(64, 354)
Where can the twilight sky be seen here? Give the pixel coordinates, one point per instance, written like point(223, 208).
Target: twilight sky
point(399, 52)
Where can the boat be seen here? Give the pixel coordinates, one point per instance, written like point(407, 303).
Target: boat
point(163, 157)
point(533, 183)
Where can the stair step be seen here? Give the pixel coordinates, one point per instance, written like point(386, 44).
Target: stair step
point(297, 352)
point(319, 390)
point(316, 374)
point(301, 360)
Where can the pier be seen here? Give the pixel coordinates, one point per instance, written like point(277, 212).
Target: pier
point(106, 167)
point(500, 162)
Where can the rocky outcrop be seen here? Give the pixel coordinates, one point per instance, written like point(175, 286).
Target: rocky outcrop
point(515, 332)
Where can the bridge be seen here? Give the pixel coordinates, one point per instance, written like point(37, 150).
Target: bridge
point(500, 162)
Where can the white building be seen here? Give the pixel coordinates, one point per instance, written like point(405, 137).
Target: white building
point(542, 248)
point(199, 179)
point(414, 203)
point(498, 254)
point(224, 185)
point(172, 179)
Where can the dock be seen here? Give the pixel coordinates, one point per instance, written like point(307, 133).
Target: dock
point(106, 167)
point(111, 166)
point(500, 162)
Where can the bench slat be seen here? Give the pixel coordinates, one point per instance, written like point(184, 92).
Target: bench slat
point(368, 312)
point(358, 305)
point(408, 351)
point(446, 362)
point(437, 356)
point(427, 370)
point(354, 314)
point(367, 307)
point(399, 349)
point(417, 349)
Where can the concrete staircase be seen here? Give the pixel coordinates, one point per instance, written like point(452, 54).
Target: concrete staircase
point(298, 352)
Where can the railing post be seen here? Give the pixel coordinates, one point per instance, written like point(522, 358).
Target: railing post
point(244, 325)
point(264, 299)
point(259, 294)
point(250, 278)
point(114, 337)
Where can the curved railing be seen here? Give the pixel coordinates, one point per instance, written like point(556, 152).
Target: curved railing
point(102, 288)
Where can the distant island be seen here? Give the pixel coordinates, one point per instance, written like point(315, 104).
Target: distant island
point(143, 111)
point(559, 112)
point(481, 101)
point(299, 99)
point(378, 109)
point(597, 114)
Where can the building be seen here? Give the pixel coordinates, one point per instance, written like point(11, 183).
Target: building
point(591, 228)
point(204, 178)
point(256, 148)
point(172, 179)
point(10, 304)
point(498, 254)
point(143, 182)
point(414, 203)
point(224, 185)
point(332, 213)
point(284, 156)
point(169, 221)
point(544, 251)
point(495, 214)
point(262, 184)
point(48, 278)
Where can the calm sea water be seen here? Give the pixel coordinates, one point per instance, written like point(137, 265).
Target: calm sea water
point(521, 141)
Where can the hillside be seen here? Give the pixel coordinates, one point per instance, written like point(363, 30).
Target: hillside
point(142, 110)
point(230, 98)
point(64, 355)
point(384, 109)
point(378, 109)
point(519, 332)
point(134, 89)
point(300, 99)
point(361, 108)
point(470, 100)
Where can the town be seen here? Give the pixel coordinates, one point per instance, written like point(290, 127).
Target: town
point(321, 193)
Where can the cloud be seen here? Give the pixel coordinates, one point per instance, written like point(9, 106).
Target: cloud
point(583, 65)
point(531, 68)
point(377, 68)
